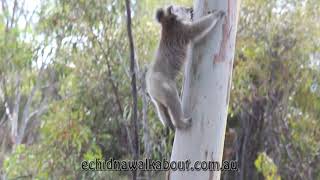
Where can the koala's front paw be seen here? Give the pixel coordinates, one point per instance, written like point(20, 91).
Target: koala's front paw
point(221, 14)
point(218, 13)
point(211, 11)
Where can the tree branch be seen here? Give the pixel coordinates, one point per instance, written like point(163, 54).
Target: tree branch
point(4, 6)
point(113, 84)
point(15, 4)
point(133, 86)
point(132, 68)
point(145, 124)
point(16, 109)
point(115, 90)
point(26, 112)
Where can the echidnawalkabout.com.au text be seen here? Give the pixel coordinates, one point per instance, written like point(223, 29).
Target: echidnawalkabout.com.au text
point(157, 165)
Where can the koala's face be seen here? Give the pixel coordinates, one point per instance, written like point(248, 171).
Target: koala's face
point(173, 14)
point(181, 14)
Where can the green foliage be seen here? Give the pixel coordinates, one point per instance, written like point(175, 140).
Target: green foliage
point(266, 166)
point(275, 65)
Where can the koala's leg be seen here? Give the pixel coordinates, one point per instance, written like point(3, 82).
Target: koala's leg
point(163, 114)
point(175, 111)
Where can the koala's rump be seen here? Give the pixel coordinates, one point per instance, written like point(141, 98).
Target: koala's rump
point(159, 86)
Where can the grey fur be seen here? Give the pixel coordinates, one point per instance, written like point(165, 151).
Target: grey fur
point(178, 32)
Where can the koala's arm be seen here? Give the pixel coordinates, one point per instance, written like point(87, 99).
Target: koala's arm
point(201, 27)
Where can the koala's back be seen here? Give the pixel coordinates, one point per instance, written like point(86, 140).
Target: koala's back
point(171, 54)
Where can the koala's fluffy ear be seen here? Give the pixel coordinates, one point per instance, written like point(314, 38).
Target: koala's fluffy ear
point(159, 14)
point(190, 10)
point(170, 10)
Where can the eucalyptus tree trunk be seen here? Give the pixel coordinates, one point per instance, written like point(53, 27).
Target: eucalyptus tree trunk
point(206, 93)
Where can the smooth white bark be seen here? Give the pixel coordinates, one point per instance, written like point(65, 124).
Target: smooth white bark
point(206, 93)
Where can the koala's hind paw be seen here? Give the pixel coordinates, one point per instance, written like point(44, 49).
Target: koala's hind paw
point(187, 122)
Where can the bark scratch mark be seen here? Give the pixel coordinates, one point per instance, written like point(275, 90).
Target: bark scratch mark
point(206, 154)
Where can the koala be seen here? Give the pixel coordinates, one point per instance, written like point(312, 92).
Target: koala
point(178, 32)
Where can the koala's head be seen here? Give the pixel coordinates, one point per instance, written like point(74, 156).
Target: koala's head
point(172, 14)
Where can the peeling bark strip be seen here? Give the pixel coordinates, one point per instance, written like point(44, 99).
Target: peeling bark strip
point(206, 93)
point(229, 81)
point(220, 57)
point(226, 30)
